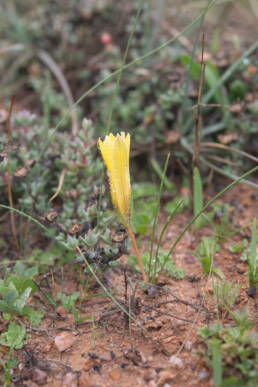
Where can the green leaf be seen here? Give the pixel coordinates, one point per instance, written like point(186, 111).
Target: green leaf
point(51, 299)
point(173, 270)
point(232, 382)
point(4, 307)
point(216, 361)
point(68, 301)
point(142, 223)
point(21, 301)
point(167, 183)
point(239, 247)
point(198, 194)
point(144, 189)
point(10, 297)
point(29, 283)
point(162, 263)
point(2, 286)
point(170, 206)
point(35, 316)
point(252, 258)
point(14, 337)
point(212, 75)
point(31, 272)
point(238, 89)
point(196, 67)
point(19, 269)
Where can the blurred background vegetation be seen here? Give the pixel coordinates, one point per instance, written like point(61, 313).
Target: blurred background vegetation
point(53, 44)
point(52, 52)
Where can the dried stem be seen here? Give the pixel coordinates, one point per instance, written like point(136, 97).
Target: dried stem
point(9, 184)
point(132, 236)
point(60, 185)
point(229, 148)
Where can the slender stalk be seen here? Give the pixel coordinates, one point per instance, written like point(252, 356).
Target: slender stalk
point(155, 220)
point(222, 80)
point(170, 217)
point(188, 74)
point(34, 220)
point(9, 183)
point(137, 252)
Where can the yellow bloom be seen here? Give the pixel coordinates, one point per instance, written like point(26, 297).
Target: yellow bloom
point(115, 152)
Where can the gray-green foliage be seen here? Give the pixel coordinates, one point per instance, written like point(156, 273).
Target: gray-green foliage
point(76, 157)
point(16, 290)
point(226, 293)
point(237, 348)
point(14, 337)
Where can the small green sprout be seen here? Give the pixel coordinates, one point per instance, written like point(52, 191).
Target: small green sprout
point(205, 252)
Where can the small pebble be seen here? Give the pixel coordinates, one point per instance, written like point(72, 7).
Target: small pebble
point(203, 374)
point(47, 347)
point(61, 311)
point(39, 376)
point(176, 362)
point(64, 340)
point(68, 379)
point(149, 375)
point(188, 345)
point(115, 374)
point(190, 259)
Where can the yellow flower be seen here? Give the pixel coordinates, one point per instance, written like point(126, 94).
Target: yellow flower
point(115, 152)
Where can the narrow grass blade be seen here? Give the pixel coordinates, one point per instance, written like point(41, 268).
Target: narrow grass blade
point(167, 183)
point(252, 259)
point(216, 362)
point(170, 217)
point(114, 96)
point(156, 215)
point(229, 72)
point(189, 69)
point(26, 216)
point(197, 194)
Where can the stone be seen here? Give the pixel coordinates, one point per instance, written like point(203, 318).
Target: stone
point(64, 341)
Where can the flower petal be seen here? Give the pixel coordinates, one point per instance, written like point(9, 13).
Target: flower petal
point(115, 151)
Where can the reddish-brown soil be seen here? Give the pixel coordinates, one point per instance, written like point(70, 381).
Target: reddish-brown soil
point(116, 352)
